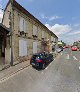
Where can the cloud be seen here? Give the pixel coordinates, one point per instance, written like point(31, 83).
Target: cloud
point(43, 16)
point(67, 33)
point(1, 12)
point(59, 29)
point(1, 15)
point(54, 18)
point(49, 18)
point(74, 33)
point(76, 25)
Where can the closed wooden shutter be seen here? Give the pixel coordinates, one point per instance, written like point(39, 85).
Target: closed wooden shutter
point(21, 24)
point(34, 30)
point(34, 47)
point(51, 38)
point(22, 47)
point(25, 25)
point(42, 34)
point(25, 47)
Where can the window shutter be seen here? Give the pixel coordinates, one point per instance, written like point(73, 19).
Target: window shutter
point(21, 49)
point(52, 38)
point(21, 24)
point(42, 34)
point(34, 30)
point(34, 47)
point(25, 47)
point(25, 23)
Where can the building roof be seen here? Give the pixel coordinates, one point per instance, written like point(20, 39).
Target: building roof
point(24, 11)
point(4, 27)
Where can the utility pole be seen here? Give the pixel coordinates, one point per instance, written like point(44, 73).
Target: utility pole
point(11, 32)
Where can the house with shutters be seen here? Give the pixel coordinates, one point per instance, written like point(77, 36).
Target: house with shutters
point(27, 36)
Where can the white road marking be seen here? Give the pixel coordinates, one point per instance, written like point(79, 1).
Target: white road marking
point(42, 72)
point(46, 68)
point(68, 56)
point(79, 67)
point(61, 53)
point(75, 58)
point(50, 63)
point(54, 59)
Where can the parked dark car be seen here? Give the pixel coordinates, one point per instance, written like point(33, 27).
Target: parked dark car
point(61, 48)
point(40, 60)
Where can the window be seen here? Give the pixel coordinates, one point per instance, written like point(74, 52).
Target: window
point(34, 30)
point(34, 47)
point(42, 34)
point(22, 47)
point(52, 39)
point(22, 24)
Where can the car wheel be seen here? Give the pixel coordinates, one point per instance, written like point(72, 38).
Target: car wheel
point(43, 66)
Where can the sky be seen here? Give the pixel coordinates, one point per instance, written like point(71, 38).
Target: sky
point(61, 16)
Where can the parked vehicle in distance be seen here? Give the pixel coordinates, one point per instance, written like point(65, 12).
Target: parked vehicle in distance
point(40, 60)
point(61, 48)
point(74, 48)
point(58, 50)
point(66, 47)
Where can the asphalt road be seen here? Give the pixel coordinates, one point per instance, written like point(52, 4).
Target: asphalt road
point(61, 75)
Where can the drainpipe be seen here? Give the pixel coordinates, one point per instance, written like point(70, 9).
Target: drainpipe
point(11, 26)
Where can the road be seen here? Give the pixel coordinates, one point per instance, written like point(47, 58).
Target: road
point(61, 75)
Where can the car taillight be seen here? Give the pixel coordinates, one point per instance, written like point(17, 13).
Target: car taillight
point(39, 60)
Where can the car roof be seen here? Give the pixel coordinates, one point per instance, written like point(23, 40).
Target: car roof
point(38, 53)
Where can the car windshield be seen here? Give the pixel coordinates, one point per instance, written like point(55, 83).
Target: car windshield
point(37, 56)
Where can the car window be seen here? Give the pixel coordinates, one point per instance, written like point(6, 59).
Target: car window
point(46, 55)
point(34, 56)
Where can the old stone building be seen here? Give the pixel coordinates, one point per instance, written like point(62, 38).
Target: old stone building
point(27, 36)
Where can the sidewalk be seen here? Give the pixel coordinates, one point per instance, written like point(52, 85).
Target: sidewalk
point(13, 69)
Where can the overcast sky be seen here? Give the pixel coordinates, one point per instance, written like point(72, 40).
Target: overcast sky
point(60, 16)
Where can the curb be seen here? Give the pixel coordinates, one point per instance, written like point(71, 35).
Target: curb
point(4, 67)
point(11, 74)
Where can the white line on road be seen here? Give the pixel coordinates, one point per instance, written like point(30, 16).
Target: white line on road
point(75, 58)
point(42, 72)
point(79, 67)
point(67, 56)
point(46, 68)
point(61, 53)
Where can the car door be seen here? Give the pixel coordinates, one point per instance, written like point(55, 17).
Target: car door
point(50, 57)
point(46, 58)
